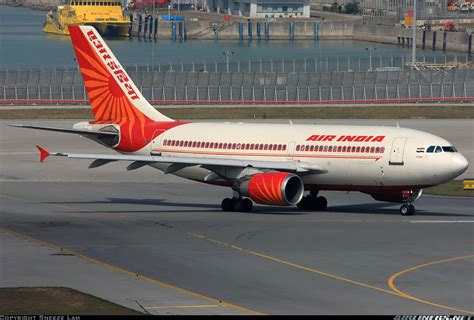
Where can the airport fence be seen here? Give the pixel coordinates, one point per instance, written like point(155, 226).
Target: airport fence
point(373, 61)
point(265, 87)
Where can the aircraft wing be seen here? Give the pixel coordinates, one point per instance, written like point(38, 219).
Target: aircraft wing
point(140, 160)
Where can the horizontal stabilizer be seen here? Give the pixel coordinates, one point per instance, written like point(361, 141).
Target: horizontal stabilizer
point(43, 153)
point(76, 131)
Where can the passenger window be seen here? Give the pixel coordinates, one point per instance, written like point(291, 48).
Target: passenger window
point(438, 149)
point(430, 149)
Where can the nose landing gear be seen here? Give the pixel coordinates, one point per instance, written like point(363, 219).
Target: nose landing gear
point(237, 204)
point(409, 196)
point(407, 209)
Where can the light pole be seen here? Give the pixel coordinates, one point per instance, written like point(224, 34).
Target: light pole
point(370, 48)
point(413, 51)
point(227, 53)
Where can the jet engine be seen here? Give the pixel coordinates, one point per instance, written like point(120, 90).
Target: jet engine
point(273, 188)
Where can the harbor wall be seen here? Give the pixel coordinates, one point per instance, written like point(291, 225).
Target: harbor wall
point(454, 41)
point(296, 29)
point(241, 29)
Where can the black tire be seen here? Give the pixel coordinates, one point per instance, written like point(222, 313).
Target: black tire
point(237, 202)
point(303, 204)
point(321, 203)
point(246, 205)
point(227, 205)
point(411, 209)
point(405, 210)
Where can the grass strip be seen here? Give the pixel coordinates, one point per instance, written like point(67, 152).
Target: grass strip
point(451, 188)
point(56, 301)
point(231, 112)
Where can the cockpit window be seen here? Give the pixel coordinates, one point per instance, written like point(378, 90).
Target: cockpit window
point(438, 149)
point(449, 149)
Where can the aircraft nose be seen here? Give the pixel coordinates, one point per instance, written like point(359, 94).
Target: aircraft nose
point(459, 163)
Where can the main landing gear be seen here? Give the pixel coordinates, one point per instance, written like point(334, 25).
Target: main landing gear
point(237, 204)
point(409, 196)
point(313, 202)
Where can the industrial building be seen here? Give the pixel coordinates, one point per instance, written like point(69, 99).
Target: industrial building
point(260, 8)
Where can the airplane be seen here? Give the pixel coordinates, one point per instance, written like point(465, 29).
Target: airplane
point(269, 164)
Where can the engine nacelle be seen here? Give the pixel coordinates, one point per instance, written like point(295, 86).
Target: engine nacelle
point(274, 188)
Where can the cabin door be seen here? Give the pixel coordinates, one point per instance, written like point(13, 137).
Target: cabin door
point(396, 154)
point(290, 151)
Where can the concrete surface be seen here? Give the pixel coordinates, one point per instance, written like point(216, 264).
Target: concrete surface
point(30, 263)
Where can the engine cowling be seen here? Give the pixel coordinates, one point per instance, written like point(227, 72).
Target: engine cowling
point(273, 188)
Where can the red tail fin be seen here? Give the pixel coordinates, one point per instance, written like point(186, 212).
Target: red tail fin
point(112, 93)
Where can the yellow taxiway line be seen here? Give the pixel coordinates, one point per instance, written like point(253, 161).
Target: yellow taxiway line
point(391, 283)
point(186, 307)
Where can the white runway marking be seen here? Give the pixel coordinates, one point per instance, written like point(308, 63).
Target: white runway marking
point(442, 221)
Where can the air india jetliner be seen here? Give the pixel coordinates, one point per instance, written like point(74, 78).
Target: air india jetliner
point(271, 164)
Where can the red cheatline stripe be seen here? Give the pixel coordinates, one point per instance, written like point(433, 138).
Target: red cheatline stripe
point(251, 102)
point(253, 154)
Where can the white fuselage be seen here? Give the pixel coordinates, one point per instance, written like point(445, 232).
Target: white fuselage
point(354, 156)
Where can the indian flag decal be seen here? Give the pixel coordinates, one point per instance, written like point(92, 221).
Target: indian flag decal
point(420, 150)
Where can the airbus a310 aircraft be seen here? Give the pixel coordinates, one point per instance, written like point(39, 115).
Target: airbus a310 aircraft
point(271, 164)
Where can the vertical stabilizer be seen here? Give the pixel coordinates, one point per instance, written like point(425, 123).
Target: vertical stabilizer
point(112, 93)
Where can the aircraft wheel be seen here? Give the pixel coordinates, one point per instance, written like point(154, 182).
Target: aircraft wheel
point(411, 209)
point(303, 204)
point(321, 203)
point(237, 202)
point(312, 203)
point(227, 205)
point(246, 205)
point(405, 210)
